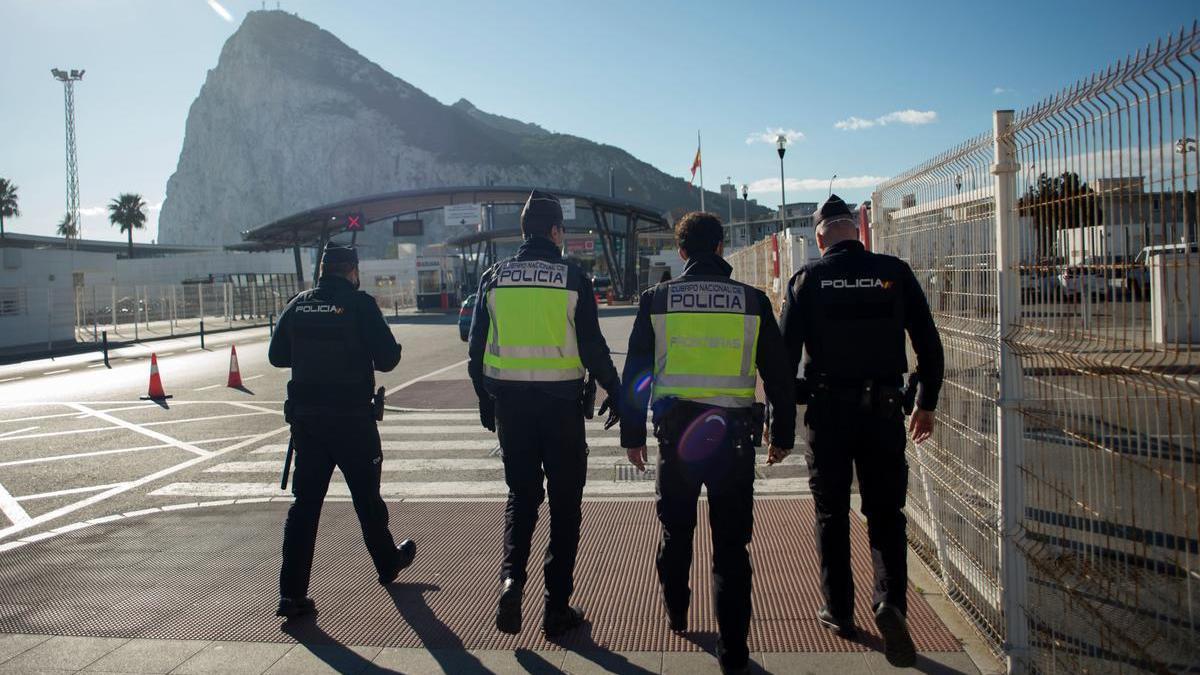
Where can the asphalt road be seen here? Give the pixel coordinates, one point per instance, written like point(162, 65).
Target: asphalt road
point(77, 444)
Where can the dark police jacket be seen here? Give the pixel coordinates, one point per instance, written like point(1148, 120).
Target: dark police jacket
point(593, 350)
point(771, 359)
point(848, 312)
point(334, 338)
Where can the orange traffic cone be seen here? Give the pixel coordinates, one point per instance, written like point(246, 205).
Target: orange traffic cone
point(156, 392)
point(235, 375)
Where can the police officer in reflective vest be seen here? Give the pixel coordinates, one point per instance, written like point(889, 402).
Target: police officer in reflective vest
point(696, 344)
point(534, 333)
point(848, 312)
point(334, 337)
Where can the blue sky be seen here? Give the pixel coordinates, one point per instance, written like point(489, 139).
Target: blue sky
point(905, 79)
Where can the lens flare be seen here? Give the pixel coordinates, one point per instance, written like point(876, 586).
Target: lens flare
point(703, 437)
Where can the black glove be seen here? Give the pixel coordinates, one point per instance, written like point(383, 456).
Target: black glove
point(487, 414)
point(612, 405)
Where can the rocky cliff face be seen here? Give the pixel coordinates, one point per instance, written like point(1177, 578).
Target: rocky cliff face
point(292, 118)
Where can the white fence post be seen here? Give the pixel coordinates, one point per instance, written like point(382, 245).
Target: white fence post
point(1010, 441)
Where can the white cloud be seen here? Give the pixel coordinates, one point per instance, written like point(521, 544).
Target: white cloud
point(854, 124)
point(1001, 90)
point(770, 135)
point(909, 116)
point(221, 11)
point(771, 185)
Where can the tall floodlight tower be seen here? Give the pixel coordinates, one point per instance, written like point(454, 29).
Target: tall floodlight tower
point(69, 78)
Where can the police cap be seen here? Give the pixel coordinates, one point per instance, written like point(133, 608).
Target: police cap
point(336, 254)
point(540, 213)
point(833, 210)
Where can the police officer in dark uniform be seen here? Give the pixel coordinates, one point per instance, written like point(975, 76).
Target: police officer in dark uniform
point(696, 344)
point(847, 312)
point(534, 335)
point(334, 337)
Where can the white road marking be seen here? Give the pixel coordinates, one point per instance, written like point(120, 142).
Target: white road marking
point(402, 490)
point(252, 377)
point(466, 445)
point(59, 512)
point(98, 365)
point(10, 508)
point(57, 372)
point(71, 491)
point(18, 431)
point(137, 428)
point(251, 406)
point(12, 379)
point(221, 440)
point(426, 376)
point(204, 419)
point(47, 434)
point(211, 386)
point(77, 455)
point(446, 429)
point(389, 465)
point(194, 349)
point(436, 417)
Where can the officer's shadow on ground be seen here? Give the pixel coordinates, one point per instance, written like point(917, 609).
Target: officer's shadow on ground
point(707, 640)
point(322, 645)
point(580, 641)
point(443, 644)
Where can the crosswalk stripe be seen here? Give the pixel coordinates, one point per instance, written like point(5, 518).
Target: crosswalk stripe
point(415, 465)
point(465, 445)
point(401, 490)
point(447, 429)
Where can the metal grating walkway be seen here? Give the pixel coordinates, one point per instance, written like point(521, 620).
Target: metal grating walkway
point(211, 573)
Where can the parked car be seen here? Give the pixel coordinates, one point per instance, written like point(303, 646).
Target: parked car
point(600, 286)
point(464, 317)
point(1039, 285)
point(1076, 280)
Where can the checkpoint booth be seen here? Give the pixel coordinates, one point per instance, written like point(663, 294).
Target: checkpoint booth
point(439, 282)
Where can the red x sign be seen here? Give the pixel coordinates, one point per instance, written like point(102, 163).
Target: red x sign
point(354, 223)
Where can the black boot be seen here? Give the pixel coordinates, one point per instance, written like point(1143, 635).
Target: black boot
point(731, 666)
point(844, 627)
point(560, 620)
point(290, 608)
point(508, 610)
point(405, 553)
point(898, 646)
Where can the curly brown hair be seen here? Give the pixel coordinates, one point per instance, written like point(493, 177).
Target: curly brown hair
point(699, 232)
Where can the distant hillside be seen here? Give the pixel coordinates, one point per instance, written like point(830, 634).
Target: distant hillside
point(292, 118)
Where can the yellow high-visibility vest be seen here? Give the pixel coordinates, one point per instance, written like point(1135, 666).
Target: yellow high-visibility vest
point(705, 341)
point(532, 333)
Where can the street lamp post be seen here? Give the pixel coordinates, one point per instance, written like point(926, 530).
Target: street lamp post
point(781, 146)
point(831, 179)
point(746, 209)
point(1182, 147)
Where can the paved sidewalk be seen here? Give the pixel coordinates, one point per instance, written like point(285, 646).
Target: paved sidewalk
point(192, 591)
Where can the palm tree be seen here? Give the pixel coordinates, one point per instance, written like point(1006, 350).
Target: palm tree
point(67, 228)
point(129, 211)
point(8, 202)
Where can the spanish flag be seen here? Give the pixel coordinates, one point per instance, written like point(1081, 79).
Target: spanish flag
point(695, 164)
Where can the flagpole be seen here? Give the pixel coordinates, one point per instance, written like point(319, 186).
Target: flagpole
point(699, 154)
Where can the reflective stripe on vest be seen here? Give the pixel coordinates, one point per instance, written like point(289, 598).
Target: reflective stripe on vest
point(532, 333)
point(705, 345)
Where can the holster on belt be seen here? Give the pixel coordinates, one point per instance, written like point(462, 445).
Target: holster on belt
point(377, 402)
point(587, 400)
point(867, 396)
point(910, 393)
point(673, 420)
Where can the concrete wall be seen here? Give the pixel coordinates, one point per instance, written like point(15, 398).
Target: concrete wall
point(37, 294)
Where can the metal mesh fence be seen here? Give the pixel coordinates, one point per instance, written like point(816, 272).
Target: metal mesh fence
point(138, 312)
point(1059, 501)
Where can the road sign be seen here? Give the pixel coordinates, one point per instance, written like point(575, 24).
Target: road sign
point(568, 208)
point(413, 227)
point(355, 222)
point(581, 246)
point(462, 214)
